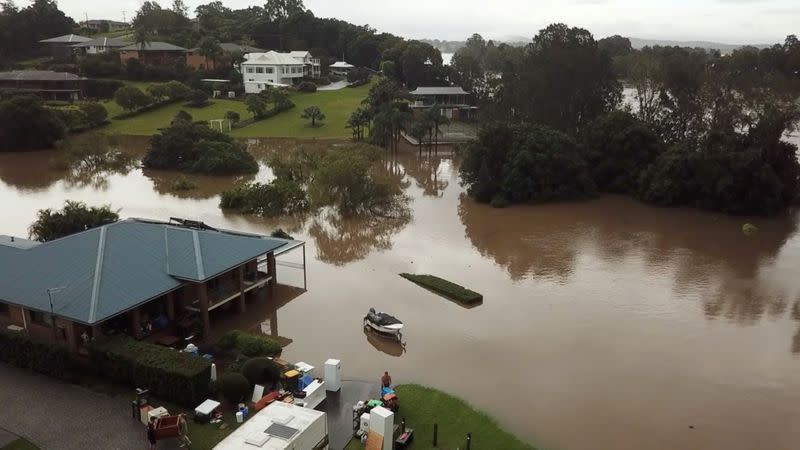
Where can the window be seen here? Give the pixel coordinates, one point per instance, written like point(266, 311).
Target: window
point(41, 318)
point(270, 69)
point(259, 86)
point(249, 70)
point(4, 309)
point(259, 70)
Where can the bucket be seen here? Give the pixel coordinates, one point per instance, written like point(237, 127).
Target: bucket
point(239, 417)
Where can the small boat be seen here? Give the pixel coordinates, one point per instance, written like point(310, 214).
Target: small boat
point(384, 324)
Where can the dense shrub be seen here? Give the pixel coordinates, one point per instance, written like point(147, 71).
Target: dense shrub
point(102, 88)
point(276, 198)
point(46, 358)
point(171, 375)
point(96, 114)
point(101, 65)
point(234, 387)
point(73, 118)
point(198, 99)
point(28, 125)
point(131, 98)
point(307, 86)
point(177, 90)
point(445, 288)
point(261, 371)
point(250, 345)
point(194, 147)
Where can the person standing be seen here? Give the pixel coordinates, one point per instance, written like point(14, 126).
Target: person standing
point(151, 433)
point(386, 380)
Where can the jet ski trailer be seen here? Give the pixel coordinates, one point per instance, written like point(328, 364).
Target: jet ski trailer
point(383, 324)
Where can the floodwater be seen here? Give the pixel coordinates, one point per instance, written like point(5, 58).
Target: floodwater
point(606, 324)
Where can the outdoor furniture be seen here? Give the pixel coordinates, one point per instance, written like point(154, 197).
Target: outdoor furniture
point(167, 427)
point(266, 400)
point(204, 410)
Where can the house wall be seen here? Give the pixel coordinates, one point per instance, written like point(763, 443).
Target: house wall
point(255, 81)
point(152, 58)
point(198, 61)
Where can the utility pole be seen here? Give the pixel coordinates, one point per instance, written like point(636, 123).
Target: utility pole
point(50, 293)
point(124, 20)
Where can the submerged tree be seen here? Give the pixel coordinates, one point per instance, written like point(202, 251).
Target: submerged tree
point(73, 218)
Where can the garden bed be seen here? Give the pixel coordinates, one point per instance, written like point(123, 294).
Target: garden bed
point(446, 288)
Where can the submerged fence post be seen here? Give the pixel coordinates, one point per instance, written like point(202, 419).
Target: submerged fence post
point(469, 441)
point(435, 434)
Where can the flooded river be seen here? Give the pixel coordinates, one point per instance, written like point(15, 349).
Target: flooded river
point(606, 324)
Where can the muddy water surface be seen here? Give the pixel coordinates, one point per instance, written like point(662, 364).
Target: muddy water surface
point(606, 324)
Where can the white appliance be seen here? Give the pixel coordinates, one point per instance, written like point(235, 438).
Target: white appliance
point(381, 421)
point(363, 426)
point(333, 375)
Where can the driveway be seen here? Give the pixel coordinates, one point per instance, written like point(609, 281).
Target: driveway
point(57, 415)
point(335, 86)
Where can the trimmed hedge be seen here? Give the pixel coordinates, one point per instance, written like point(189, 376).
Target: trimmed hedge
point(171, 375)
point(443, 287)
point(43, 357)
point(250, 344)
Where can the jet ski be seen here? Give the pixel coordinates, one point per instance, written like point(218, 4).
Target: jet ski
point(384, 324)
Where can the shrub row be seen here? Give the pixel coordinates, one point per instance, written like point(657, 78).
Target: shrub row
point(271, 113)
point(445, 288)
point(250, 344)
point(148, 108)
point(169, 374)
point(46, 358)
point(279, 197)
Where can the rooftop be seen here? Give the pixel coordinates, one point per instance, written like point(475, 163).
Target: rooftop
point(271, 58)
point(234, 47)
point(66, 39)
point(280, 413)
point(155, 46)
point(102, 42)
point(38, 75)
point(113, 268)
point(341, 65)
point(444, 90)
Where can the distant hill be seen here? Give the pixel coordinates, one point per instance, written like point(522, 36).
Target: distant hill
point(637, 43)
point(723, 48)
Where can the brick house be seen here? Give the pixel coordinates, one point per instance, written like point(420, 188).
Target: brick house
point(153, 53)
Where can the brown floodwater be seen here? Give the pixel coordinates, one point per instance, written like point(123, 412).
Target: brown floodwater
point(606, 324)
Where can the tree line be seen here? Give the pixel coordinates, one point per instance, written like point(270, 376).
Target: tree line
point(701, 129)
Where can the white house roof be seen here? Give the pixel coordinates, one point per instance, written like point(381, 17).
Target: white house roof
point(271, 58)
point(66, 39)
point(445, 90)
point(299, 53)
point(341, 65)
point(303, 420)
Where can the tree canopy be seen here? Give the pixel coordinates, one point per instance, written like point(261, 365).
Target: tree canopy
point(73, 218)
point(28, 125)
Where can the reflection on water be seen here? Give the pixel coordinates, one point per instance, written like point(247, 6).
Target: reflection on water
point(387, 345)
point(628, 321)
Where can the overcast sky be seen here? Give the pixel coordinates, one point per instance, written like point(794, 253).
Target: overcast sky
point(728, 21)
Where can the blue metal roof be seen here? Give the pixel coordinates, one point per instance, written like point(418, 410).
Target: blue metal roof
point(111, 269)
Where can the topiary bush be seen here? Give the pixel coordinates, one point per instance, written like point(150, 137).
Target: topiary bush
point(307, 86)
point(251, 345)
point(233, 386)
point(261, 371)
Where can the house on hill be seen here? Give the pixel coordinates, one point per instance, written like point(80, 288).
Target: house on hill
point(99, 45)
point(60, 47)
point(43, 83)
point(152, 280)
point(153, 53)
point(260, 70)
point(311, 66)
point(104, 25)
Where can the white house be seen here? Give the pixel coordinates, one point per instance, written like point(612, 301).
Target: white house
point(99, 45)
point(312, 65)
point(260, 70)
point(341, 68)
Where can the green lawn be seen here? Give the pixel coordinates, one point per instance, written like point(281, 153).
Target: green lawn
point(336, 105)
point(148, 123)
point(206, 436)
point(20, 444)
point(422, 407)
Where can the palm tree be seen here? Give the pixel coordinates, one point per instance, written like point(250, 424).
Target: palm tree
point(418, 131)
point(357, 122)
point(142, 38)
point(398, 120)
point(209, 47)
point(439, 120)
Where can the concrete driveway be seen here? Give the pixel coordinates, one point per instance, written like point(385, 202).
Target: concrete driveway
point(335, 86)
point(57, 415)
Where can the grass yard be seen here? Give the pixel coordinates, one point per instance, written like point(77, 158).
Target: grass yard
point(336, 105)
point(148, 123)
point(20, 444)
point(206, 436)
point(422, 406)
